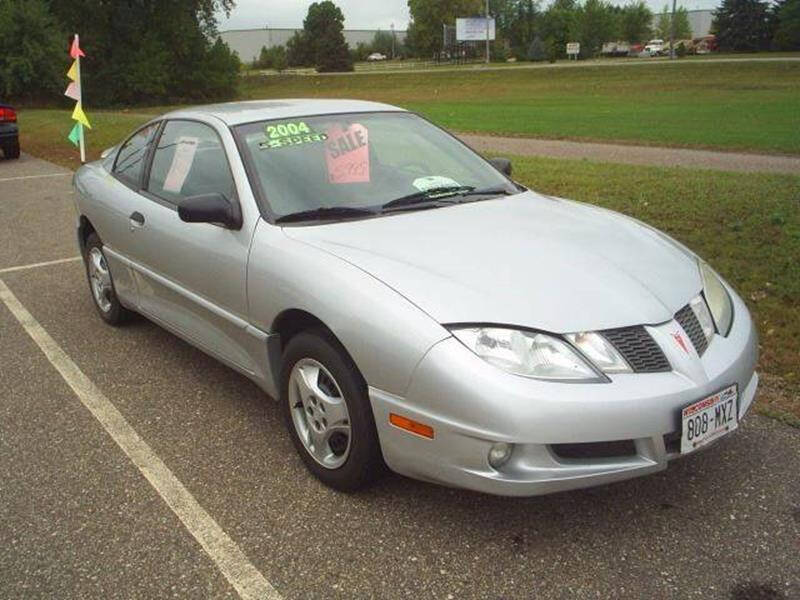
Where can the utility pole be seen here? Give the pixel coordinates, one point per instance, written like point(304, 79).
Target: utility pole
point(392, 41)
point(487, 31)
point(672, 33)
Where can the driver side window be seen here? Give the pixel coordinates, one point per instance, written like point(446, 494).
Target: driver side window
point(189, 161)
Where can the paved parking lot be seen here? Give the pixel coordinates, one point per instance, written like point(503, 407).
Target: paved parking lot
point(132, 465)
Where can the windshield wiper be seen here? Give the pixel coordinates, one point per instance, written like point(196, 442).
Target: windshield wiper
point(431, 195)
point(435, 196)
point(325, 213)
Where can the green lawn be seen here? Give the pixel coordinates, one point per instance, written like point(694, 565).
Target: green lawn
point(734, 106)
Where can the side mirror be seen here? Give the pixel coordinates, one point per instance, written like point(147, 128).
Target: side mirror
point(502, 164)
point(209, 208)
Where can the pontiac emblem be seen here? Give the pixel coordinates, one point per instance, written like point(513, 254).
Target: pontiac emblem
point(680, 341)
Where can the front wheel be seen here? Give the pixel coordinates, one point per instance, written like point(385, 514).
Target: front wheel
point(101, 284)
point(327, 412)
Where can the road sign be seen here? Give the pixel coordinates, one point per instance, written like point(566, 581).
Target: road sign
point(573, 48)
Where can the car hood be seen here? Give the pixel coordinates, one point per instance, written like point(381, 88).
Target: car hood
point(526, 260)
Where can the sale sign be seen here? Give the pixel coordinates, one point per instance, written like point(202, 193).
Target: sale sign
point(347, 154)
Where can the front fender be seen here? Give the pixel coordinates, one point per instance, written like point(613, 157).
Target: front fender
point(385, 334)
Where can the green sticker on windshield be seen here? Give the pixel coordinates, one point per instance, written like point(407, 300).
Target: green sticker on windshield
point(294, 133)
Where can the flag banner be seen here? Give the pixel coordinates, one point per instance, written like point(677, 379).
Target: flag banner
point(75, 135)
point(75, 51)
point(73, 91)
point(79, 116)
point(73, 71)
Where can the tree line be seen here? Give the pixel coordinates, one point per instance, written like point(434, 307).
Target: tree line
point(137, 51)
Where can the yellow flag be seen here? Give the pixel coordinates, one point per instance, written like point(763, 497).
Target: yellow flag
point(73, 71)
point(80, 116)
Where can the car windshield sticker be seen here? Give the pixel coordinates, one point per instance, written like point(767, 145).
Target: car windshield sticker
point(185, 149)
point(347, 154)
point(423, 184)
point(284, 135)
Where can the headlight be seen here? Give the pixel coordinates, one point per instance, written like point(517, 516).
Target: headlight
point(527, 353)
point(719, 302)
point(600, 351)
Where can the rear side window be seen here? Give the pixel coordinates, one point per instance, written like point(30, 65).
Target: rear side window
point(132, 154)
point(189, 160)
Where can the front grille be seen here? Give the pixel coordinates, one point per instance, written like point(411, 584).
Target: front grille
point(688, 320)
point(618, 448)
point(638, 348)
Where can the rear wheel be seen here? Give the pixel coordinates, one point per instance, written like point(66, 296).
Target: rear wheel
point(327, 412)
point(11, 150)
point(101, 284)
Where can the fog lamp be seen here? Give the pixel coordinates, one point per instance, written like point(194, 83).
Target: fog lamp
point(499, 454)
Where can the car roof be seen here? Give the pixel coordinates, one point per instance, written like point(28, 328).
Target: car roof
point(236, 113)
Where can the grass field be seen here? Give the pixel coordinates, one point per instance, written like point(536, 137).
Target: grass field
point(733, 106)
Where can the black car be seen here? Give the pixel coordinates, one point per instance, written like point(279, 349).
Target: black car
point(9, 133)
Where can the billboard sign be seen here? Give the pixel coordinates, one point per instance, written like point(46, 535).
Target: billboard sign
point(474, 29)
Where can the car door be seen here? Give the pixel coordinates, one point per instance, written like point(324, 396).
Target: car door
point(116, 200)
point(191, 277)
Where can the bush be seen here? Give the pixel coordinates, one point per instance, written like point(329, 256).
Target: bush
point(33, 51)
point(681, 50)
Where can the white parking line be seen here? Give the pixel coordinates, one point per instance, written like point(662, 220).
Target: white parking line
point(46, 263)
point(230, 560)
point(34, 176)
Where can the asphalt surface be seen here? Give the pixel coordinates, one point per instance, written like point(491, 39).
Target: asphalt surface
point(80, 520)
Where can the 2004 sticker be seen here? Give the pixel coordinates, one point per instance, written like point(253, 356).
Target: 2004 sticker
point(290, 134)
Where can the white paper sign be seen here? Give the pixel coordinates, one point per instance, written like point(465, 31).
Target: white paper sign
point(185, 149)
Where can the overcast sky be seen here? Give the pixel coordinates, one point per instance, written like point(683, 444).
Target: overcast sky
point(359, 14)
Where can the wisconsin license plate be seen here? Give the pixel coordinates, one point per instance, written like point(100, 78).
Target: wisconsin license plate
point(708, 419)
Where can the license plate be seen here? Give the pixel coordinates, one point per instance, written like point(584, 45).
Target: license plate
point(708, 419)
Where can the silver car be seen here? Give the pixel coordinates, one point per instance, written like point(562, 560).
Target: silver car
point(409, 304)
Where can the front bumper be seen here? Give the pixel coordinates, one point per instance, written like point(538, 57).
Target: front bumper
point(472, 405)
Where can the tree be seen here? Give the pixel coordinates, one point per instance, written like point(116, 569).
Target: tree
point(150, 51)
point(559, 22)
point(322, 28)
point(518, 21)
point(298, 51)
point(383, 43)
point(596, 24)
point(428, 17)
point(635, 22)
point(683, 31)
point(787, 32)
point(663, 24)
point(33, 50)
point(742, 25)
point(537, 51)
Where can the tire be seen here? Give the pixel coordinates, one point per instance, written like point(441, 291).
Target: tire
point(320, 358)
point(12, 150)
point(101, 285)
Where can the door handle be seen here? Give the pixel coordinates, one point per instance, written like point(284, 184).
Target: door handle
point(137, 219)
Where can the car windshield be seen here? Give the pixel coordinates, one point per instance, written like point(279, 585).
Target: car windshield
point(329, 165)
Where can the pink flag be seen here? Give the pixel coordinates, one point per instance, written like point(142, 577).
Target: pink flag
point(75, 51)
point(73, 91)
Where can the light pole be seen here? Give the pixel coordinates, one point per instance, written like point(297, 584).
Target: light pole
point(487, 31)
point(672, 33)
